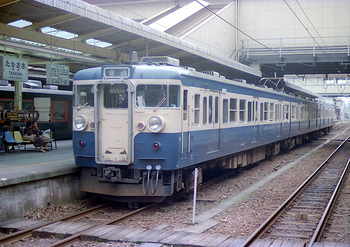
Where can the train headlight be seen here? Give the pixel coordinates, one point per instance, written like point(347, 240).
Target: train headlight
point(80, 122)
point(155, 124)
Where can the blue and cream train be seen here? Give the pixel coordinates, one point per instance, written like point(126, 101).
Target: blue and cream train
point(139, 130)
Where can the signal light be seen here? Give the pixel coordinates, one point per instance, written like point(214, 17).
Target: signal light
point(156, 146)
point(81, 143)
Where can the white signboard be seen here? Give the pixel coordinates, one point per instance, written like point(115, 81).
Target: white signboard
point(57, 74)
point(13, 69)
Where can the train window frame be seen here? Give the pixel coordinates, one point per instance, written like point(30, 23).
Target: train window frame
point(184, 102)
point(78, 93)
point(170, 96)
point(233, 110)
point(210, 110)
point(225, 111)
point(118, 97)
point(242, 110)
point(249, 118)
point(55, 105)
point(266, 111)
point(205, 110)
point(197, 98)
point(216, 107)
point(272, 111)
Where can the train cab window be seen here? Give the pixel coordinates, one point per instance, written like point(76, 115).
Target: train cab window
point(205, 110)
point(84, 95)
point(216, 109)
point(233, 110)
point(242, 110)
point(158, 96)
point(116, 96)
point(185, 105)
point(197, 99)
point(225, 111)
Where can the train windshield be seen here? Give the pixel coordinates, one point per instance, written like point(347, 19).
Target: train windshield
point(84, 95)
point(158, 96)
point(116, 96)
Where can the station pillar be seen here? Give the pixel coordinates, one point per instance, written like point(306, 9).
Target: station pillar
point(18, 95)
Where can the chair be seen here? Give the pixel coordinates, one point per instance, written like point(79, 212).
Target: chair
point(19, 138)
point(8, 140)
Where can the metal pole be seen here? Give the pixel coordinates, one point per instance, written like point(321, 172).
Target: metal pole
point(195, 194)
point(18, 95)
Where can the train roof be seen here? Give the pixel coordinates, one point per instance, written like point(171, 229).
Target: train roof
point(154, 71)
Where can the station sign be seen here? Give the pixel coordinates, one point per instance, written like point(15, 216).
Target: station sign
point(16, 116)
point(13, 69)
point(57, 74)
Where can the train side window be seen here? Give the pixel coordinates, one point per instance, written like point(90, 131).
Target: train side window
point(271, 111)
point(185, 105)
point(225, 111)
point(286, 112)
point(242, 110)
point(249, 111)
point(261, 111)
point(210, 109)
point(293, 111)
point(216, 109)
point(197, 98)
point(302, 113)
point(233, 110)
point(174, 96)
point(277, 112)
point(266, 111)
point(205, 110)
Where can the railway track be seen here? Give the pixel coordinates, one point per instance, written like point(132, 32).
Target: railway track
point(303, 216)
point(11, 238)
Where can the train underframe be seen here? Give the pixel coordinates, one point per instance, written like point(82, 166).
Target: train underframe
point(128, 185)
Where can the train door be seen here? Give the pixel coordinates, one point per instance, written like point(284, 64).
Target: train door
point(185, 133)
point(113, 139)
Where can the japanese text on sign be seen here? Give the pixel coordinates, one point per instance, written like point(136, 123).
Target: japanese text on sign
point(14, 69)
point(57, 74)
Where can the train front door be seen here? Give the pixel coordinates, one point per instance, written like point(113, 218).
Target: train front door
point(113, 124)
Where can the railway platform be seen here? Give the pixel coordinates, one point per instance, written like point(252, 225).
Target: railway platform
point(31, 179)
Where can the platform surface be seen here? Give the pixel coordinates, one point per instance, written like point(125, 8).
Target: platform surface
point(28, 165)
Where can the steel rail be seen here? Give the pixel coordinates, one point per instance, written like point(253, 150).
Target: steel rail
point(273, 217)
point(76, 237)
point(321, 225)
point(28, 232)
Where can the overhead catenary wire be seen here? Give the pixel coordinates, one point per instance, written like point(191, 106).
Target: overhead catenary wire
point(308, 31)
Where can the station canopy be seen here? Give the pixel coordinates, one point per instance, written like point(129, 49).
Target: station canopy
point(81, 35)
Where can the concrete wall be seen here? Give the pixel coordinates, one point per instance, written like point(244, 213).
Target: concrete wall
point(214, 34)
point(273, 21)
point(20, 198)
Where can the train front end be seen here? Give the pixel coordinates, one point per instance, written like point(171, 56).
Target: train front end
point(125, 136)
